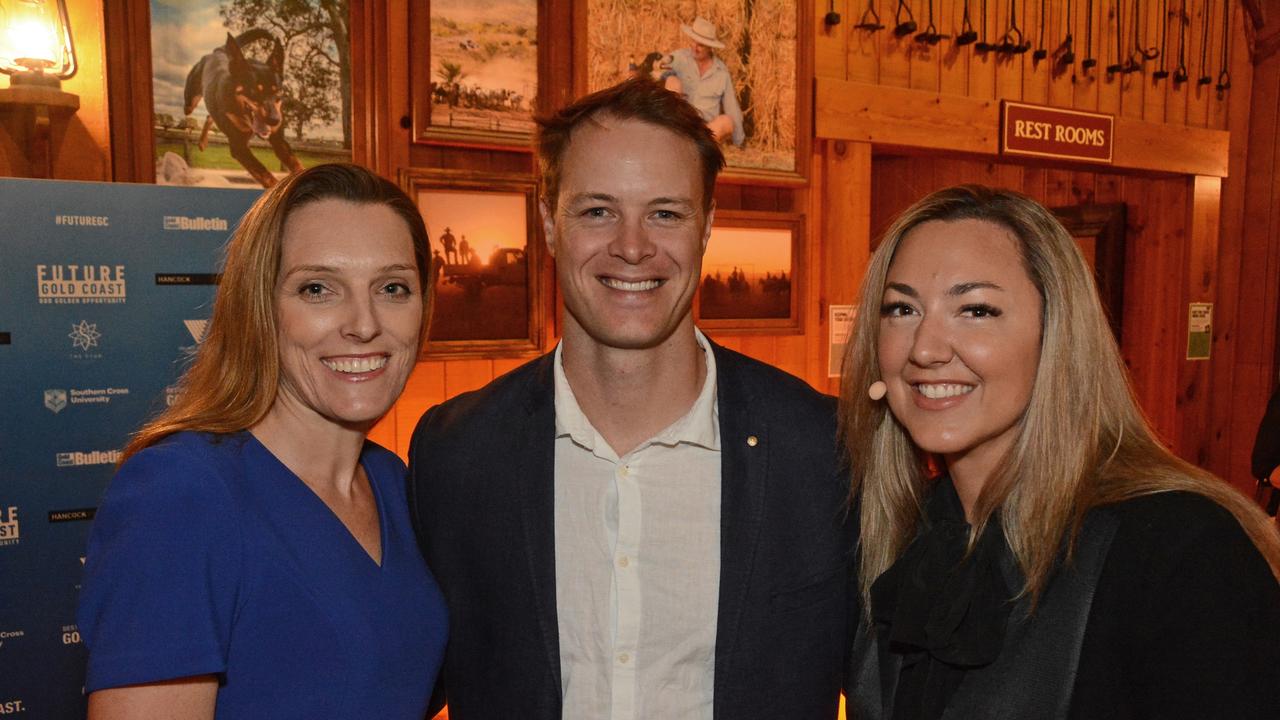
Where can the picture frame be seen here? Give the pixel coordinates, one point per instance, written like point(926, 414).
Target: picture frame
point(130, 48)
point(245, 92)
point(488, 286)
point(478, 86)
point(1099, 231)
point(752, 274)
point(768, 56)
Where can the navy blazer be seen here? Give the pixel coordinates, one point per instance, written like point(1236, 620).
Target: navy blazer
point(481, 494)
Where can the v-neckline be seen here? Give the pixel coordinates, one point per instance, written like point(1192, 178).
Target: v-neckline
point(378, 506)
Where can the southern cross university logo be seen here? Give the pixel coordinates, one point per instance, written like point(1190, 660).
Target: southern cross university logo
point(55, 399)
point(84, 336)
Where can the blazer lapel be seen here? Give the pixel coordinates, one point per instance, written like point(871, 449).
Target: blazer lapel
point(744, 467)
point(533, 445)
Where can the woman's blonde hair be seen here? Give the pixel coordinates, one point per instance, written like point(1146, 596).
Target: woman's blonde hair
point(1082, 441)
point(234, 375)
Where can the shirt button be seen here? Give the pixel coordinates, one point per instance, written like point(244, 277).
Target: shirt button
point(624, 658)
point(623, 561)
point(624, 471)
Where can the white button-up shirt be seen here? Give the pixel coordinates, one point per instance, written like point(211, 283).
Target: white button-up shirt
point(638, 563)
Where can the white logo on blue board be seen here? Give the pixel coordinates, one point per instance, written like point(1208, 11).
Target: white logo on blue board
point(197, 329)
point(10, 532)
point(92, 457)
point(84, 335)
point(59, 284)
point(55, 399)
point(182, 222)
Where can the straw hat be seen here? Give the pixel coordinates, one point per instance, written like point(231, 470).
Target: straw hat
point(703, 32)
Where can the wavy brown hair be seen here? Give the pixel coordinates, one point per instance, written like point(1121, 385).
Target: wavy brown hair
point(1082, 441)
point(234, 375)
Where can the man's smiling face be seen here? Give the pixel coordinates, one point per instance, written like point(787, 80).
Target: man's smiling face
point(628, 232)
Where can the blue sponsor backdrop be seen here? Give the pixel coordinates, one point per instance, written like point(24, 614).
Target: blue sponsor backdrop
point(104, 291)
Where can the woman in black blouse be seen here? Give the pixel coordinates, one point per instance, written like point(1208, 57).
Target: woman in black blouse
point(1029, 549)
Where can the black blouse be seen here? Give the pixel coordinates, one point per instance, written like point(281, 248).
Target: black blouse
point(1185, 621)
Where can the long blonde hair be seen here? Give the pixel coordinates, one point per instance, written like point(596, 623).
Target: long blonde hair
point(1082, 441)
point(234, 376)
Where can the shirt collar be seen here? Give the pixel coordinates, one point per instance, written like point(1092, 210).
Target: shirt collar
point(700, 426)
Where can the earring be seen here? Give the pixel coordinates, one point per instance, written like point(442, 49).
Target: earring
point(877, 390)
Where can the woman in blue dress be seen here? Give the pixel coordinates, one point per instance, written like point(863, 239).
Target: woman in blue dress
point(253, 556)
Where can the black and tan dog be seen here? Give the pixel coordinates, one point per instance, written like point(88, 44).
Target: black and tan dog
point(243, 99)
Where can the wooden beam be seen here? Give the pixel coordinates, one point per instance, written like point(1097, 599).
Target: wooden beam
point(901, 118)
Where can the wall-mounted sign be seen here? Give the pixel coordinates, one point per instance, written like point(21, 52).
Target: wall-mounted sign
point(1199, 330)
point(1041, 131)
point(841, 324)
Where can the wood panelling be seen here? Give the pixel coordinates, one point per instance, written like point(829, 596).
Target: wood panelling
point(844, 52)
point(905, 118)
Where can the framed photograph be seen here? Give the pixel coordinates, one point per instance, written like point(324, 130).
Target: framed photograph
point(246, 91)
point(752, 274)
point(739, 63)
point(486, 262)
point(1099, 231)
point(474, 72)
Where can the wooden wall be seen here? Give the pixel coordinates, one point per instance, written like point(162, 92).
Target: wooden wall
point(883, 58)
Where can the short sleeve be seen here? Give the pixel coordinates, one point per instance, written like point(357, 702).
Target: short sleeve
point(161, 571)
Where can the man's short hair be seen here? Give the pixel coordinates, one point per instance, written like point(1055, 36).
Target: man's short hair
point(639, 99)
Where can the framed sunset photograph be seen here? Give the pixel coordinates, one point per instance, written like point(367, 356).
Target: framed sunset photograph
point(485, 263)
point(752, 273)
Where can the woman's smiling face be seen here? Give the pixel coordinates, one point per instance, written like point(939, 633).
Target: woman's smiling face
point(959, 340)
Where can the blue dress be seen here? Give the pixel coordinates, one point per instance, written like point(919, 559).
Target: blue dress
point(209, 556)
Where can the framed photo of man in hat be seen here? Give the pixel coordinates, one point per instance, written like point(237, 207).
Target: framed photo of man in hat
point(738, 62)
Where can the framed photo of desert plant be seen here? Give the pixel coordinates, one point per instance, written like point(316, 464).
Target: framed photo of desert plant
point(752, 274)
point(474, 71)
point(486, 263)
point(739, 62)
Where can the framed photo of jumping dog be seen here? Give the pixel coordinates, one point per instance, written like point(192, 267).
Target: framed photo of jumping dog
point(752, 274)
point(246, 91)
point(474, 72)
point(486, 262)
point(739, 63)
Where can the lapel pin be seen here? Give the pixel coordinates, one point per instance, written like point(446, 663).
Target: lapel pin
point(752, 441)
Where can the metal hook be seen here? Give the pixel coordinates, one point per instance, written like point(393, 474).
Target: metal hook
point(870, 19)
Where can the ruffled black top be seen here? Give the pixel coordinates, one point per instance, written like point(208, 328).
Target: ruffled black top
point(944, 613)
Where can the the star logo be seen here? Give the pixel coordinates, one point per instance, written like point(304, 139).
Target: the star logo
point(84, 336)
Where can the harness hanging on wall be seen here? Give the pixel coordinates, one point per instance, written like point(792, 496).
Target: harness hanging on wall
point(870, 19)
point(1013, 42)
point(1118, 65)
point(1089, 60)
point(967, 33)
point(1161, 73)
point(1224, 75)
point(1040, 52)
point(1180, 72)
point(1068, 56)
point(1139, 55)
point(982, 45)
point(907, 26)
point(1205, 78)
point(930, 35)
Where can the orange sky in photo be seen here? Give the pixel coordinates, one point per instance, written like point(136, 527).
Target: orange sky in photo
point(488, 220)
point(753, 250)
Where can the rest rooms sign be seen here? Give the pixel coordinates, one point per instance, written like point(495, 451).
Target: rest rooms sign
point(1041, 131)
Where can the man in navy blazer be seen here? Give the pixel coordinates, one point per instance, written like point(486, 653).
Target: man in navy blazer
point(640, 524)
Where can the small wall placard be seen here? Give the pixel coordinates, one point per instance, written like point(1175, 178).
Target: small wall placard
point(1040, 131)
